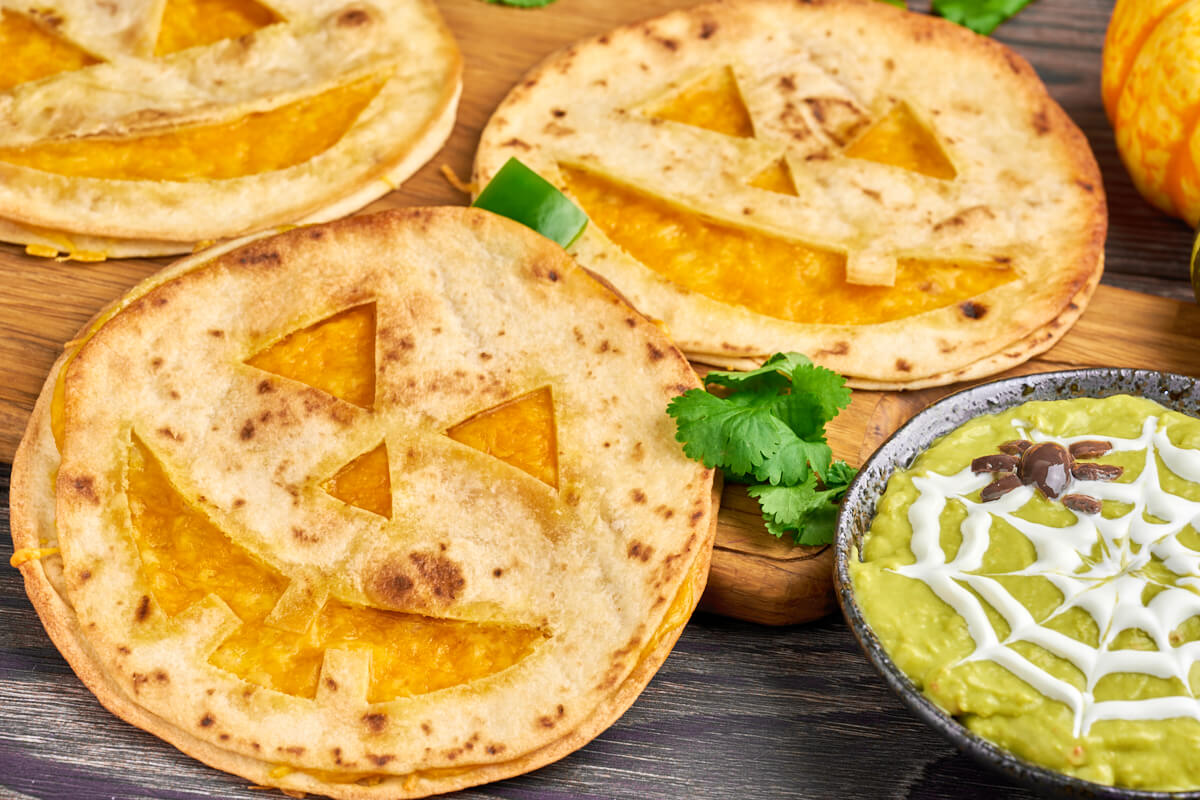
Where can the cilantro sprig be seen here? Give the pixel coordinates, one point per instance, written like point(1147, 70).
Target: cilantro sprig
point(981, 16)
point(767, 429)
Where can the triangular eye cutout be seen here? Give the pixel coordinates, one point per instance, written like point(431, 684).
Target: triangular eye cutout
point(31, 52)
point(193, 23)
point(336, 355)
point(520, 432)
point(776, 178)
point(365, 482)
point(902, 140)
point(713, 103)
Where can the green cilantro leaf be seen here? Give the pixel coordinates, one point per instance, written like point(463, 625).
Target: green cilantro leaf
point(981, 16)
point(896, 3)
point(769, 431)
point(805, 511)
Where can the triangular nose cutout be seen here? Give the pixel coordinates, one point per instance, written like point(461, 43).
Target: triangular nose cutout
point(365, 482)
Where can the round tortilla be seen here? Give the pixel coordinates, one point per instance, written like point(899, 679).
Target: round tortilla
point(813, 76)
point(612, 569)
point(320, 47)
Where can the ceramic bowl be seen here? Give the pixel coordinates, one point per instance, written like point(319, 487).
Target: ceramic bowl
point(1176, 392)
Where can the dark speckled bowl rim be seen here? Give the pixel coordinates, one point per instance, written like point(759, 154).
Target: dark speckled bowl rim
point(1177, 392)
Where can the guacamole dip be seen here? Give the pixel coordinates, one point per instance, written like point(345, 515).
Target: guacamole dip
point(1067, 635)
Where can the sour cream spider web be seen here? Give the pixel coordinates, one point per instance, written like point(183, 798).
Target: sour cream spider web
point(1100, 566)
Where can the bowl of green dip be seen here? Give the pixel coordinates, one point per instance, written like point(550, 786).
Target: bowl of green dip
point(1048, 627)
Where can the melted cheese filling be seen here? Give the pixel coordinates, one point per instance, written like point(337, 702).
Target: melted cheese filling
point(336, 355)
point(767, 274)
point(185, 558)
point(365, 482)
point(899, 139)
point(520, 432)
point(713, 103)
point(29, 52)
point(256, 143)
point(194, 23)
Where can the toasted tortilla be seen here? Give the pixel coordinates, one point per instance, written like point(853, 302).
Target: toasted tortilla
point(1016, 189)
point(606, 565)
point(59, 133)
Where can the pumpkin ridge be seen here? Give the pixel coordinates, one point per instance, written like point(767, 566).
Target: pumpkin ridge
point(1181, 163)
point(1112, 96)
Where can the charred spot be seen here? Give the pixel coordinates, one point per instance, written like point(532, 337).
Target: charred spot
point(1041, 122)
point(216, 333)
point(238, 502)
point(604, 346)
point(640, 552)
point(604, 39)
point(946, 347)
point(707, 29)
point(376, 722)
point(160, 301)
point(517, 143)
point(426, 728)
point(871, 193)
point(1087, 186)
point(630, 322)
point(696, 516)
point(552, 275)
point(972, 310)
point(207, 721)
point(443, 576)
point(123, 650)
point(681, 388)
point(169, 434)
point(1002, 260)
point(247, 432)
point(85, 575)
point(353, 18)
point(316, 233)
point(497, 572)
point(638, 496)
point(559, 112)
point(547, 721)
point(301, 535)
point(670, 44)
point(156, 362)
point(639, 451)
point(260, 258)
point(224, 737)
point(295, 750)
point(337, 755)
point(889, 64)
point(160, 676)
point(393, 586)
point(838, 349)
point(495, 749)
point(903, 366)
point(380, 761)
point(787, 83)
point(173, 394)
point(655, 353)
point(331, 684)
point(265, 387)
point(143, 609)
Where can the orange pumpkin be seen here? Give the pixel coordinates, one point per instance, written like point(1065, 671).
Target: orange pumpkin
point(1151, 85)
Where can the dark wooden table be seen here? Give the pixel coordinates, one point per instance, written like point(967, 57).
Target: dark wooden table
point(737, 710)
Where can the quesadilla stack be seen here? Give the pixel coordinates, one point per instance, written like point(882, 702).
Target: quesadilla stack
point(148, 127)
point(884, 191)
point(339, 511)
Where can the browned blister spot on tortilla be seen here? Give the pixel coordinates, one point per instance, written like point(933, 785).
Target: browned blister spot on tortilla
point(375, 722)
point(443, 577)
point(143, 609)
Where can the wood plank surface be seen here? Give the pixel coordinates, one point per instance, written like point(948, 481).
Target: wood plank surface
point(738, 709)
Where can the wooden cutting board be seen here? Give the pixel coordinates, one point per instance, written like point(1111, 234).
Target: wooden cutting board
point(756, 577)
point(759, 578)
